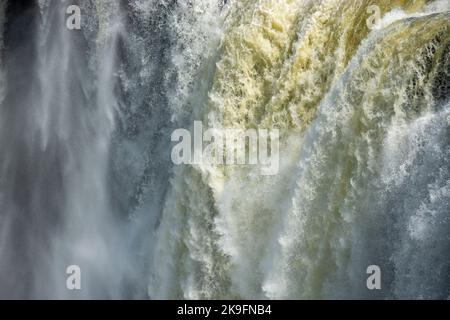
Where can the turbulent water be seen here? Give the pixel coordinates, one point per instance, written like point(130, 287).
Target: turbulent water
point(86, 177)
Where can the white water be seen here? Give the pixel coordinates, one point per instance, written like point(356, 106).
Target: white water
point(85, 170)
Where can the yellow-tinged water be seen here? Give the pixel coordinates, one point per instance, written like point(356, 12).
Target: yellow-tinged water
point(343, 95)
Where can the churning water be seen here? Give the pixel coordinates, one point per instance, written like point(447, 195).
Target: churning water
point(86, 176)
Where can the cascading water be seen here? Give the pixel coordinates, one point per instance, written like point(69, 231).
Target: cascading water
point(86, 176)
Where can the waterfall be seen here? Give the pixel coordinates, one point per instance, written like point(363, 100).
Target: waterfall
point(86, 176)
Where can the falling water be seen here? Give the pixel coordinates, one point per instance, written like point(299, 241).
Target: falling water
point(86, 176)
